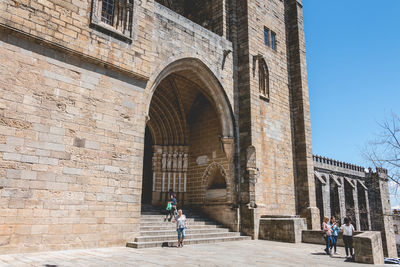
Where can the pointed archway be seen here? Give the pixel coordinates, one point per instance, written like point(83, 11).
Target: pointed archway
point(191, 126)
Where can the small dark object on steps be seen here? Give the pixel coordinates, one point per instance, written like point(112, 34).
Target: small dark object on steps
point(392, 261)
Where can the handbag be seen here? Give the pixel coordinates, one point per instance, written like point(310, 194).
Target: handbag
point(169, 206)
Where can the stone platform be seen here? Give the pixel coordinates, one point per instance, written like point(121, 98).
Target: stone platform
point(242, 253)
point(283, 229)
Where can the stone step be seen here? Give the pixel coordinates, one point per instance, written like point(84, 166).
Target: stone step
point(188, 231)
point(188, 236)
point(190, 223)
point(173, 226)
point(161, 220)
point(174, 242)
point(162, 215)
point(163, 212)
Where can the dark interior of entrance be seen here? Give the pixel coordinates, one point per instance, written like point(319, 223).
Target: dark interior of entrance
point(318, 194)
point(335, 201)
point(349, 197)
point(147, 186)
point(182, 141)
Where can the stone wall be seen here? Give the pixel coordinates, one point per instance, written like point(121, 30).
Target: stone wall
point(361, 195)
point(69, 145)
point(281, 229)
point(279, 179)
point(73, 106)
point(368, 248)
point(77, 95)
point(271, 129)
point(381, 214)
point(65, 24)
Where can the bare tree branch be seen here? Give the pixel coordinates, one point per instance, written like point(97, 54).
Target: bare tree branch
point(384, 151)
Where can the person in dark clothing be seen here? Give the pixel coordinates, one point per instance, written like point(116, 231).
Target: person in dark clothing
point(172, 211)
point(348, 230)
point(171, 193)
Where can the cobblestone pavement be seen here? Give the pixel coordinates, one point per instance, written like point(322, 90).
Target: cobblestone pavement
point(243, 253)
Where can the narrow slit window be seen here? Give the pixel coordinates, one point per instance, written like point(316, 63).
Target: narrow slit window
point(273, 40)
point(263, 76)
point(266, 36)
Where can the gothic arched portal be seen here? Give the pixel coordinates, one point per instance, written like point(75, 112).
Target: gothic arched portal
point(190, 123)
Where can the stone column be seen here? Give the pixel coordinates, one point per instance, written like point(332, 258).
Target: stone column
point(342, 199)
point(379, 201)
point(356, 207)
point(220, 17)
point(157, 174)
point(368, 210)
point(299, 97)
point(326, 197)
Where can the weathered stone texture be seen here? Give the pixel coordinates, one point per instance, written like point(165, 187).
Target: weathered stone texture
point(92, 123)
point(287, 229)
point(358, 194)
point(368, 248)
point(66, 24)
point(59, 193)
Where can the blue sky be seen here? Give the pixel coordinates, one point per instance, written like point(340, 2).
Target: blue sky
point(353, 62)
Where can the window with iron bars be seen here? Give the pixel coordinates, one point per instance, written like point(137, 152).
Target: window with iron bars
point(113, 16)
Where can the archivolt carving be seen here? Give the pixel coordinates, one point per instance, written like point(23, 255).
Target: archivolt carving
point(210, 169)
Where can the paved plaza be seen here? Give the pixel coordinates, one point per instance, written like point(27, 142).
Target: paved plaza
point(243, 253)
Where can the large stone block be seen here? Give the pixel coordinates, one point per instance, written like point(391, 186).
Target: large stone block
point(287, 229)
point(368, 248)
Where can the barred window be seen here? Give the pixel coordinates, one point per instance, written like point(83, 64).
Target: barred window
point(107, 11)
point(114, 17)
point(263, 76)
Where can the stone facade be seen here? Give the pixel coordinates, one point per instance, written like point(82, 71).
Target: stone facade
point(102, 110)
point(345, 190)
point(396, 227)
point(289, 229)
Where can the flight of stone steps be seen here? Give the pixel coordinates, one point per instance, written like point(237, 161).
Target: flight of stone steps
point(154, 232)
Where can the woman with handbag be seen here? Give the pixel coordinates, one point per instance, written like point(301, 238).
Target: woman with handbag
point(327, 235)
point(181, 225)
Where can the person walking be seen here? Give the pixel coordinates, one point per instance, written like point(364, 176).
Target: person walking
point(348, 230)
point(181, 225)
point(327, 235)
point(335, 233)
point(171, 193)
point(171, 208)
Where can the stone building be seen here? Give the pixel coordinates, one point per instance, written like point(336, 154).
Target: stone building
point(106, 105)
point(396, 226)
point(346, 190)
